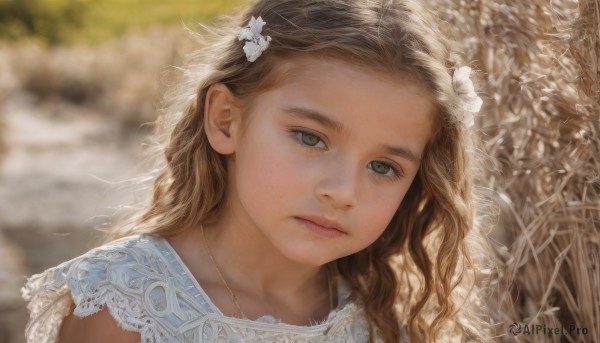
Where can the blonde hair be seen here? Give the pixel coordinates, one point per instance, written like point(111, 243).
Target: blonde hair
point(424, 245)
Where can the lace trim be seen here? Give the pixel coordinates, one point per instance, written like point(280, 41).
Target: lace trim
point(47, 307)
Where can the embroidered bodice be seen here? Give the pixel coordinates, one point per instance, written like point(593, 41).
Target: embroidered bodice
point(148, 289)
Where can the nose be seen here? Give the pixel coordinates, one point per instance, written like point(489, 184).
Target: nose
point(338, 185)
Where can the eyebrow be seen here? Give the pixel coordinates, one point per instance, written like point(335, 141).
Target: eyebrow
point(311, 114)
point(307, 113)
point(402, 152)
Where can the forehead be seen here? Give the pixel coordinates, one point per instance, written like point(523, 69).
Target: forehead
point(302, 65)
point(323, 70)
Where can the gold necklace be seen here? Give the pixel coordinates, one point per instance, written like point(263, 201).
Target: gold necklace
point(234, 298)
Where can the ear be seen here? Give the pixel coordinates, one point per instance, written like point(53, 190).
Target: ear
point(221, 118)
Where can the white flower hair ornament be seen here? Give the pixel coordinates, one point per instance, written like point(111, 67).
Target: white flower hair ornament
point(463, 86)
point(256, 43)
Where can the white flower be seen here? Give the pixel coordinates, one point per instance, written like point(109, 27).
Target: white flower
point(256, 43)
point(463, 86)
point(468, 120)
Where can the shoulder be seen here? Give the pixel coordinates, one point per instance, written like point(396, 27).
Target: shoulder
point(132, 278)
point(99, 327)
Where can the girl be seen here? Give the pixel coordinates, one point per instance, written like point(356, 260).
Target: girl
point(317, 188)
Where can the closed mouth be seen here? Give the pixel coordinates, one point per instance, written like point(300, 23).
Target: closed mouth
point(323, 222)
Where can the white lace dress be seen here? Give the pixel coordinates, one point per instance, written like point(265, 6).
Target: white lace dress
point(148, 289)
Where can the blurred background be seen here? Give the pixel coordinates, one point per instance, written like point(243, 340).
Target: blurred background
point(80, 79)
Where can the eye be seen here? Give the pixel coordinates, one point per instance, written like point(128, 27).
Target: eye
point(308, 139)
point(385, 169)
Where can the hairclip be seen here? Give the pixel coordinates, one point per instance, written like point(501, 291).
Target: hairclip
point(256, 43)
point(463, 86)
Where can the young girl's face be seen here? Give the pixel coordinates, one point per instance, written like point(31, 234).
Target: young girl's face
point(326, 156)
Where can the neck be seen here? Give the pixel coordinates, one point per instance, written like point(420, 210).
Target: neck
point(252, 265)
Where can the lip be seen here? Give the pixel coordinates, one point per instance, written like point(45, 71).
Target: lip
point(322, 225)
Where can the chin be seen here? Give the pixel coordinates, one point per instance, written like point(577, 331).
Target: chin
point(316, 256)
point(312, 261)
point(308, 257)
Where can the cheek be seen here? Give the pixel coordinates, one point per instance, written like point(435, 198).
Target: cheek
point(265, 169)
point(378, 212)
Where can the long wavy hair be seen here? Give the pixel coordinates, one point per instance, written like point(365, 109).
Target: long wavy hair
point(417, 276)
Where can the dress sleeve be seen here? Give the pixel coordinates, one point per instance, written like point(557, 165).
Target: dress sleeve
point(131, 282)
point(48, 304)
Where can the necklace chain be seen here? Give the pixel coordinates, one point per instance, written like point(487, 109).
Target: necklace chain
point(234, 298)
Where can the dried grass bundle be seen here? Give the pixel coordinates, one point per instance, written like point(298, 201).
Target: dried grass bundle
point(539, 60)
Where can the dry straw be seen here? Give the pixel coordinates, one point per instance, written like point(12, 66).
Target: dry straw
point(539, 61)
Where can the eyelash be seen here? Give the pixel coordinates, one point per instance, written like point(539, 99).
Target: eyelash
point(298, 133)
point(396, 172)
